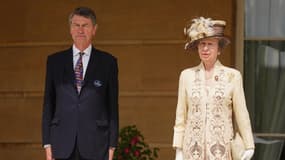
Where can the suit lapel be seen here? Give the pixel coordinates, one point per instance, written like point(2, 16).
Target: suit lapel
point(69, 75)
point(92, 68)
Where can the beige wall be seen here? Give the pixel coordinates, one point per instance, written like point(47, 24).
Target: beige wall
point(146, 36)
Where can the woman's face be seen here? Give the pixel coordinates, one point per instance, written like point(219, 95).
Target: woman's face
point(208, 50)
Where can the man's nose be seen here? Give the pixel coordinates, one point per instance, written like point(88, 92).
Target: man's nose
point(80, 29)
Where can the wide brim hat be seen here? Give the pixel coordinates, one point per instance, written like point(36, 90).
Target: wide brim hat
point(202, 28)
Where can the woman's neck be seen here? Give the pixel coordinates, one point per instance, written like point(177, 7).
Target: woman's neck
point(209, 69)
point(209, 66)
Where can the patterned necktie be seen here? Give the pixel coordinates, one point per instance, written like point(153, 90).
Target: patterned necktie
point(79, 72)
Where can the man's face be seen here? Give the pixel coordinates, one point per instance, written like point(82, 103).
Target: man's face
point(208, 49)
point(82, 30)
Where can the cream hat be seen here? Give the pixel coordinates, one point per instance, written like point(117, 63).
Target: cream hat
point(201, 28)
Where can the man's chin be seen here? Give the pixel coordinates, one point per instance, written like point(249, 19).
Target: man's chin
point(81, 42)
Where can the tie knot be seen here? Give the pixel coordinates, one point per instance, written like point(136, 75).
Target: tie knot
point(81, 53)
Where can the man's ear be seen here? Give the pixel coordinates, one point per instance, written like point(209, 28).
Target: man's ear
point(95, 29)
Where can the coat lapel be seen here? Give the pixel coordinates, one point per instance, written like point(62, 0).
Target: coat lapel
point(69, 75)
point(92, 68)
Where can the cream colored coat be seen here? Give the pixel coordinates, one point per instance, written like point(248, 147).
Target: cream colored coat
point(204, 126)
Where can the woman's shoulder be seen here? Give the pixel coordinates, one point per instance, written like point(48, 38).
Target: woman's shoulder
point(230, 69)
point(190, 70)
point(232, 73)
point(188, 73)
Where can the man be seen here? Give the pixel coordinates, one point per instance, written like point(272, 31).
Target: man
point(80, 110)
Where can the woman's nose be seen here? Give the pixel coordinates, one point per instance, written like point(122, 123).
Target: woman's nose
point(205, 47)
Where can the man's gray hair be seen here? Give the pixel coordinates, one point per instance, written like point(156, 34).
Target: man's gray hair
point(84, 12)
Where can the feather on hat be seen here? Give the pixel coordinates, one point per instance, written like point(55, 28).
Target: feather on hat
point(201, 28)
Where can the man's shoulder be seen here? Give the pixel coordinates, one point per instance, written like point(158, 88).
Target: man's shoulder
point(60, 54)
point(103, 54)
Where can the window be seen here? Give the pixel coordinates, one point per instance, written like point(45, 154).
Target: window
point(264, 75)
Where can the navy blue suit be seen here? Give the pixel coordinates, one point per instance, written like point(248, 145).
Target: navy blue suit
point(90, 118)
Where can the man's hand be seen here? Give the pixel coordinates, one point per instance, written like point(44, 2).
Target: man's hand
point(48, 153)
point(111, 153)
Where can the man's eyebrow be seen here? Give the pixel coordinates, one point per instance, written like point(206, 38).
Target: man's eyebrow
point(84, 24)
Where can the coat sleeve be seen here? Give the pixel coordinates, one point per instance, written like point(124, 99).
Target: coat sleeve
point(48, 104)
point(181, 113)
point(113, 105)
point(241, 113)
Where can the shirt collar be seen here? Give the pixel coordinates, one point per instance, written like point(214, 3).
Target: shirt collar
point(76, 51)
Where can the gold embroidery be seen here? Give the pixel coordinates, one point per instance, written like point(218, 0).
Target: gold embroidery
point(230, 77)
point(218, 150)
point(196, 151)
point(207, 129)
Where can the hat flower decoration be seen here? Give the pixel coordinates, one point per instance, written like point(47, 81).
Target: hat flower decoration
point(202, 28)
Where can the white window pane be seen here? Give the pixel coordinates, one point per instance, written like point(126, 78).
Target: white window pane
point(277, 19)
point(257, 18)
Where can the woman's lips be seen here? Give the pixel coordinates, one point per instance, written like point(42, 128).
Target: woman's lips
point(205, 54)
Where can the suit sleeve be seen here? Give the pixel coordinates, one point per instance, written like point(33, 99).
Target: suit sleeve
point(241, 113)
point(181, 111)
point(48, 104)
point(113, 105)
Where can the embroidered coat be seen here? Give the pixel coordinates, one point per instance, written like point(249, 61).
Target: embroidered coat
point(205, 109)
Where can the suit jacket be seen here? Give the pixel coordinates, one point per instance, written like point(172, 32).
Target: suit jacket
point(89, 119)
point(205, 111)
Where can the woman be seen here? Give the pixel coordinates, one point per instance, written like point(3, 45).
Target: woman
point(210, 99)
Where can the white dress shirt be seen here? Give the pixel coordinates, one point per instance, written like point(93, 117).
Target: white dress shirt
point(85, 57)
